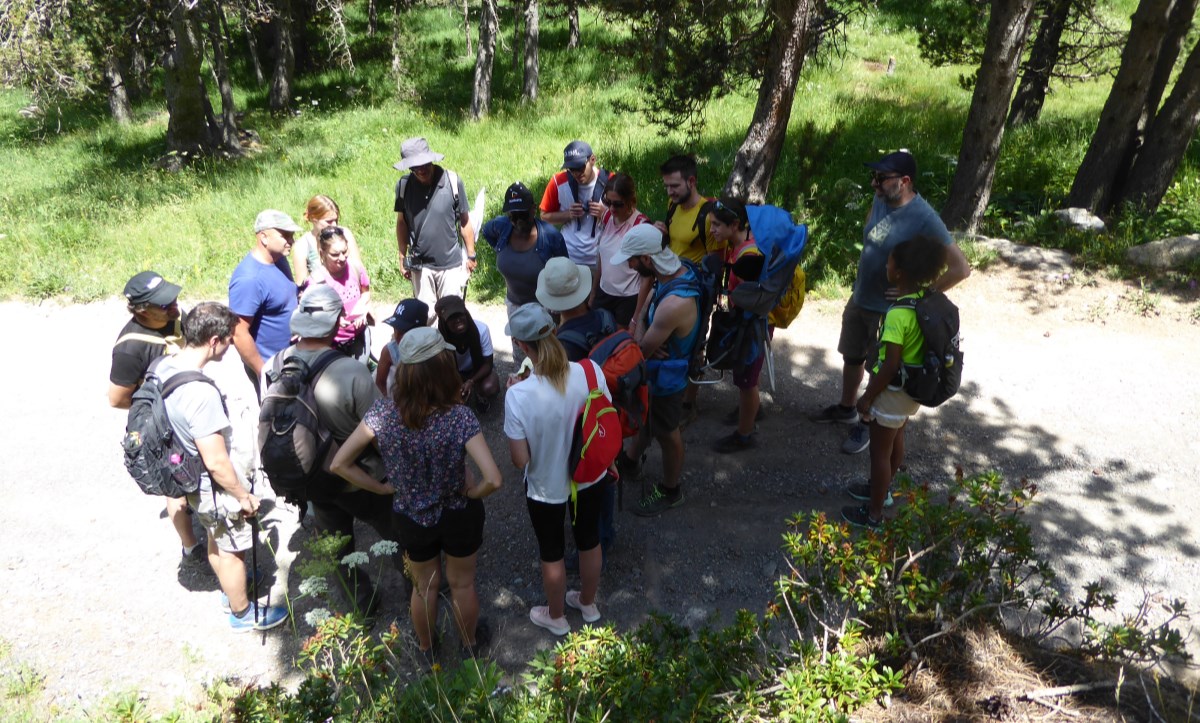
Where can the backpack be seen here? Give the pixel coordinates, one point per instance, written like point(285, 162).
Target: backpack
point(778, 292)
point(596, 440)
point(620, 359)
point(154, 454)
point(602, 177)
point(705, 287)
point(939, 375)
point(294, 444)
point(700, 225)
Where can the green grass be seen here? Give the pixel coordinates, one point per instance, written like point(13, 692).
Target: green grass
point(87, 208)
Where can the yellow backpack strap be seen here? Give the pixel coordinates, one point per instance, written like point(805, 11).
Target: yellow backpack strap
point(173, 341)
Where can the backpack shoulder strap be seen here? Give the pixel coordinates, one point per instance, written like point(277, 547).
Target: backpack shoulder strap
point(602, 176)
point(700, 225)
point(181, 378)
point(319, 365)
point(452, 179)
point(608, 324)
point(589, 372)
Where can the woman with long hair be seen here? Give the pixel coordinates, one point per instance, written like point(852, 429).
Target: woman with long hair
point(351, 282)
point(425, 436)
point(320, 212)
point(540, 415)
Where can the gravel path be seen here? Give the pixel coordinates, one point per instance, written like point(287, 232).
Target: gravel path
point(1066, 384)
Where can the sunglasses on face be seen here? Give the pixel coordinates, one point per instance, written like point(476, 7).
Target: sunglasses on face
point(614, 203)
point(881, 177)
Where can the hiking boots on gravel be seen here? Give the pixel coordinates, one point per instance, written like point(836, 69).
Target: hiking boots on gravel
point(861, 491)
point(860, 517)
point(658, 501)
point(734, 443)
point(859, 439)
point(835, 413)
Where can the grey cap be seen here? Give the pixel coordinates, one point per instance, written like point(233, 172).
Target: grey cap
point(275, 219)
point(529, 322)
point(317, 314)
point(416, 152)
point(421, 344)
point(563, 284)
point(646, 240)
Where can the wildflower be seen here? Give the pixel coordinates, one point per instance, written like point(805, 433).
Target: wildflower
point(354, 559)
point(316, 617)
point(384, 548)
point(314, 586)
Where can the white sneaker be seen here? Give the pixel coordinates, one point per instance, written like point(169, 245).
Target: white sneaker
point(591, 613)
point(540, 616)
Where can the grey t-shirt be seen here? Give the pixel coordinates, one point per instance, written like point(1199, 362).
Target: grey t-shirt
point(886, 228)
point(520, 270)
point(196, 411)
point(432, 217)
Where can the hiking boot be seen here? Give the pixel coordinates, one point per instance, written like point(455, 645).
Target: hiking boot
point(858, 440)
point(268, 617)
point(197, 559)
point(734, 443)
point(835, 413)
point(861, 491)
point(591, 613)
point(657, 502)
point(859, 517)
point(540, 616)
point(734, 417)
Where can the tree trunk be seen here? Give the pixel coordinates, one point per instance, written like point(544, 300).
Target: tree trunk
point(372, 18)
point(518, 11)
point(1043, 56)
point(754, 164)
point(572, 24)
point(190, 131)
point(1113, 144)
point(1007, 31)
point(217, 33)
point(529, 86)
point(118, 99)
point(280, 97)
point(1167, 139)
point(481, 96)
point(467, 27)
point(252, 46)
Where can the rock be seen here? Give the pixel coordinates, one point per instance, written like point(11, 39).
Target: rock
point(1054, 261)
point(1166, 253)
point(1080, 219)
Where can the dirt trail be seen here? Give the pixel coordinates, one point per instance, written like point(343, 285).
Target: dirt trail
point(1066, 384)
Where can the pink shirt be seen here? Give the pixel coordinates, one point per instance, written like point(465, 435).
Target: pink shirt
point(350, 287)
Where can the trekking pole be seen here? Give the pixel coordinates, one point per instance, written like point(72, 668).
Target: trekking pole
point(254, 557)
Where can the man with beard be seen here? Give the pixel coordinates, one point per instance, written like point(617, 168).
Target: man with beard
point(898, 213)
point(673, 325)
point(687, 228)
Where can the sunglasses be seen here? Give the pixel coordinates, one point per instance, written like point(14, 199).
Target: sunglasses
point(881, 177)
point(614, 203)
point(329, 232)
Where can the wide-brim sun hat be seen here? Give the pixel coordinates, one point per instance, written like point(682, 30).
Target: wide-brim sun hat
point(316, 315)
point(416, 152)
point(421, 344)
point(563, 284)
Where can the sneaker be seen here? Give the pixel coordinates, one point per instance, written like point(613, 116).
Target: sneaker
point(591, 613)
point(858, 441)
point(835, 413)
point(540, 616)
point(733, 417)
point(268, 617)
point(734, 443)
point(859, 517)
point(861, 491)
point(197, 559)
point(657, 502)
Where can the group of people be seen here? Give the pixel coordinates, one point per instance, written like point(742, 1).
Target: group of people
point(579, 265)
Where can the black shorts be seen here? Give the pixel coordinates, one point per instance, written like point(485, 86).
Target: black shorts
point(666, 413)
point(458, 534)
point(621, 307)
point(547, 522)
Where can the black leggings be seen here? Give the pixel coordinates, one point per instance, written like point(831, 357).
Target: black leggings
point(547, 522)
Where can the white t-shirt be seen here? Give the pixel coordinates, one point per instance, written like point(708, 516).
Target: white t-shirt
point(485, 346)
point(536, 412)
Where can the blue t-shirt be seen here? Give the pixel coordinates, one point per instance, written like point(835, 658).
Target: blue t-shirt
point(886, 228)
point(265, 294)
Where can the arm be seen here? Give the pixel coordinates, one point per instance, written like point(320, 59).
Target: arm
point(244, 343)
point(637, 324)
point(344, 466)
point(667, 320)
point(957, 269)
point(299, 259)
point(120, 397)
point(383, 369)
point(352, 251)
point(402, 243)
point(478, 450)
point(551, 212)
point(468, 235)
point(518, 450)
point(879, 381)
point(216, 460)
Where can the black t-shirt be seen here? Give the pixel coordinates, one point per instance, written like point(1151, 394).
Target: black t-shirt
point(131, 358)
point(590, 325)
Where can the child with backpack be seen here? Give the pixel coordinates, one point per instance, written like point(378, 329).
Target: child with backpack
point(885, 405)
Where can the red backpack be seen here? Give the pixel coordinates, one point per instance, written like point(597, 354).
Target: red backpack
point(597, 438)
point(620, 359)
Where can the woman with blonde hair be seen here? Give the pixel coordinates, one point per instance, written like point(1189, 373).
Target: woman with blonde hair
point(540, 415)
point(320, 211)
point(425, 435)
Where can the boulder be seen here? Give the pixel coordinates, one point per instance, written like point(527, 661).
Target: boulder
point(1080, 219)
point(1166, 253)
point(1036, 258)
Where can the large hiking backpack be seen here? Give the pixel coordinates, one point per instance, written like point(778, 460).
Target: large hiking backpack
point(154, 454)
point(596, 441)
point(294, 445)
point(602, 177)
point(939, 375)
point(620, 359)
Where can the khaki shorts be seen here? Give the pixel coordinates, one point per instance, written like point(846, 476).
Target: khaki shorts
point(860, 333)
point(222, 518)
point(429, 285)
point(892, 408)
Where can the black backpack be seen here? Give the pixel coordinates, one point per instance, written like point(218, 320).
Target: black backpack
point(154, 454)
point(938, 376)
point(293, 443)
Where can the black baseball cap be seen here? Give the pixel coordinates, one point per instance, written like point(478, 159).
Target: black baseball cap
point(518, 198)
point(409, 314)
point(149, 287)
point(900, 162)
